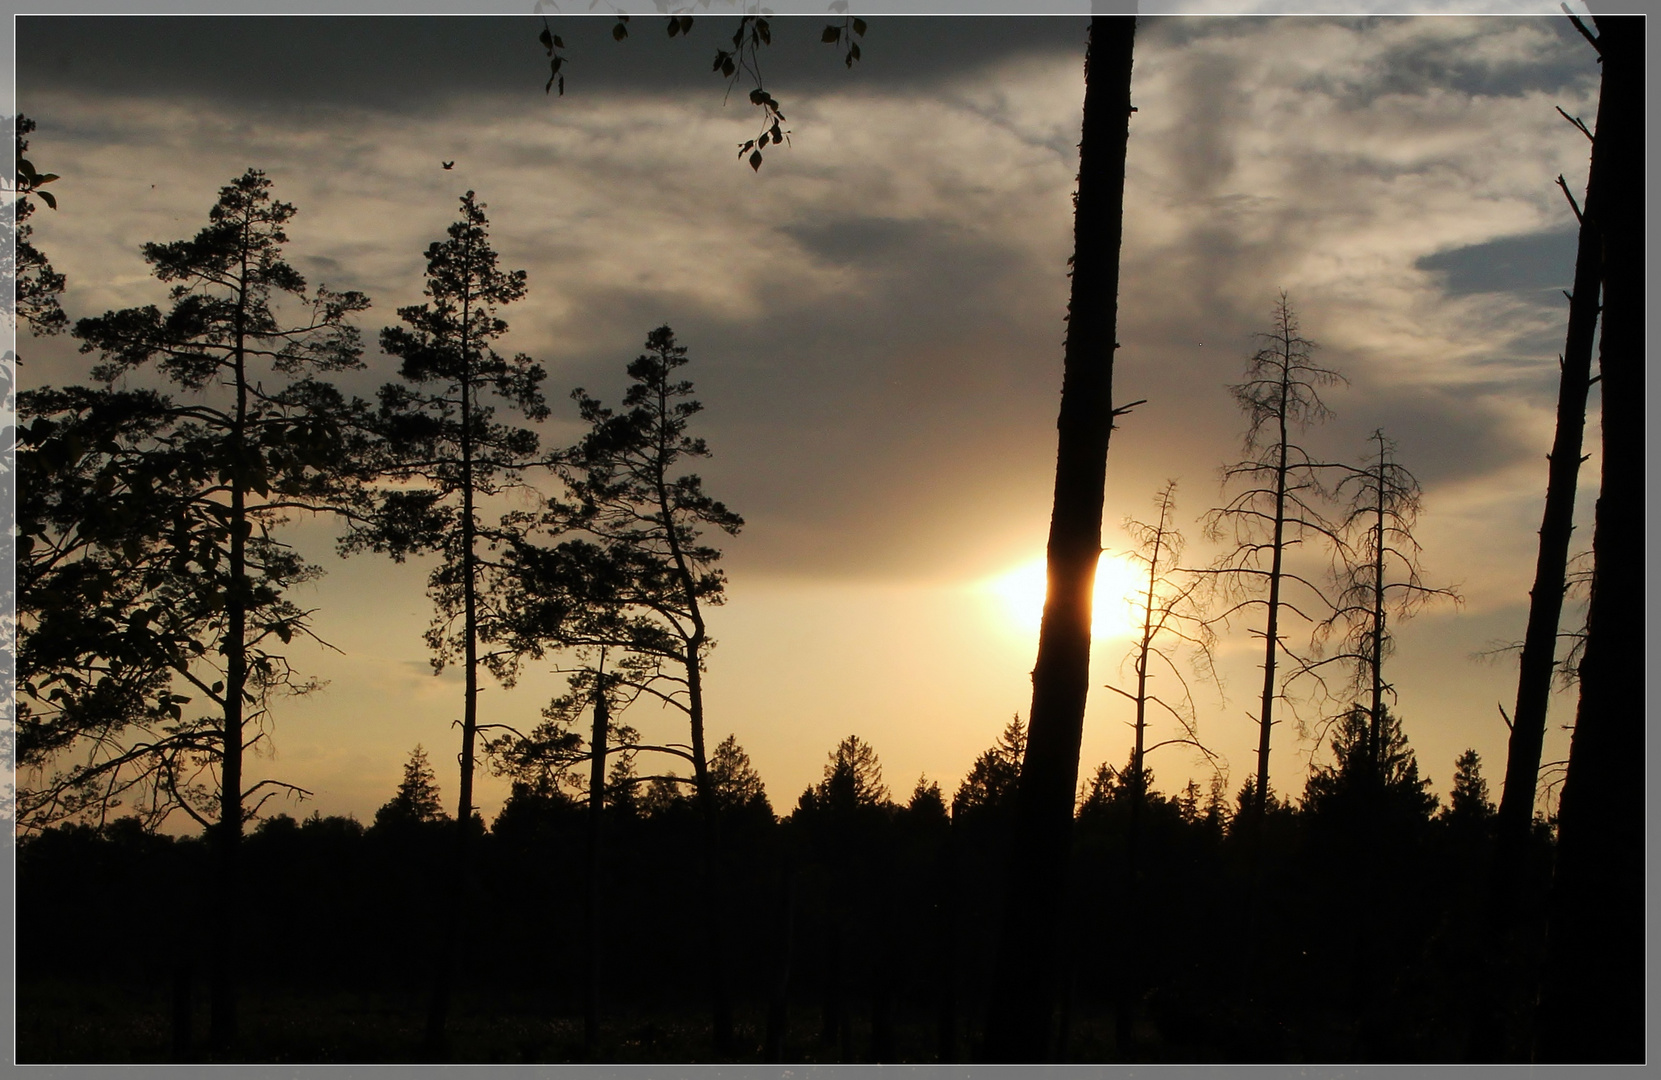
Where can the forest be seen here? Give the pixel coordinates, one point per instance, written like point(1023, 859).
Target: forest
point(642, 893)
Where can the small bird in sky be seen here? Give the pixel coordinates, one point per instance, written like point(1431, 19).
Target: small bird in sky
point(448, 164)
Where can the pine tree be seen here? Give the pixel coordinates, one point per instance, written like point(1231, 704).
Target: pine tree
point(445, 455)
point(274, 440)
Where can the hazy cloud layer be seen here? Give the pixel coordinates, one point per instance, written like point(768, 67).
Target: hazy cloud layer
point(876, 319)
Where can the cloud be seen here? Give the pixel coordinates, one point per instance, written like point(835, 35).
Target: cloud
point(876, 319)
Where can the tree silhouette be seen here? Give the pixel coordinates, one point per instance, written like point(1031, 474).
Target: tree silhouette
point(1169, 611)
point(852, 780)
point(416, 802)
point(36, 285)
point(634, 573)
point(274, 442)
point(443, 453)
point(1027, 979)
point(1273, 508)
point(993, 778)
point(1377, 576)
point(1591, 1003)
point(1372, 762)
point(1468, 795)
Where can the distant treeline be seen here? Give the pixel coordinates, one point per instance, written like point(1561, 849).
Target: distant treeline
point(858, 928)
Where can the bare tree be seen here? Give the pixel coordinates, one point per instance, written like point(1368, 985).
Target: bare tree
point(1591, 1006)
point(1377, 577)
point(1171, 618)
point(1275, 505)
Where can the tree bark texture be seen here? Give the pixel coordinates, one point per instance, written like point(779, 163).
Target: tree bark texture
point(1592, 1004)
point(1024, 994)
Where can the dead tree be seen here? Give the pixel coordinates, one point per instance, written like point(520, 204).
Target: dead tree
point(1592, 1002)
point(1027, 975)
point(1275, 507)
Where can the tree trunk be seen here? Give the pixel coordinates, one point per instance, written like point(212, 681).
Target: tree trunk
point(222, 981)
point(1375, 731)
point(438, 1013)
point(1023, 997)
point(1514, 822)
point(1592, 1006)
point(591, 896)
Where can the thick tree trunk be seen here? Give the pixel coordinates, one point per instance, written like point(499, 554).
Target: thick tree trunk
point(1023, 997)
point(1514, 822)
point(1592, 1006)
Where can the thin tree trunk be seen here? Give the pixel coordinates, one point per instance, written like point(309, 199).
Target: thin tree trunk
point(1592, 1007)
point(1515, 819)
point(1271, 629)
point(450, 942)
point(591, 896)
point(222, 1020)
point(1023, 997)
point(1375, 734)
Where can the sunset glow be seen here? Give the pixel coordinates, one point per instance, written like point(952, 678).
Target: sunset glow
point(1116, 605)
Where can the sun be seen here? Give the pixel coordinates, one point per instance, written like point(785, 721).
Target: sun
point(1116, 607)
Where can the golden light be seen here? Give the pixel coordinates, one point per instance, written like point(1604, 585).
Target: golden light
point(1116, 607)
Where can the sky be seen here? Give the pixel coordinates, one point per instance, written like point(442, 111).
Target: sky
point(875, 322)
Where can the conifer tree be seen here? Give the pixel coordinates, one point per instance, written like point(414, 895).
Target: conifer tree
point(445, 455)
point(417, 799)
point(260, 437)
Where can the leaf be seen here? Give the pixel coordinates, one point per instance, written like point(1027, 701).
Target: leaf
point(674, 26)
point(853, 51)
point(562, 86)
point(559, 43)
point(758, 96)
point(859, 27)
point(547, 40)
point(766, 34)
point(619, 32)
point(755, 161)
point(764, 140)
point(727, 67)
point(48, 198)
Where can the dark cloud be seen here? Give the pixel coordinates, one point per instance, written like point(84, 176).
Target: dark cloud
point(1537, 263)
point(408, 63)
